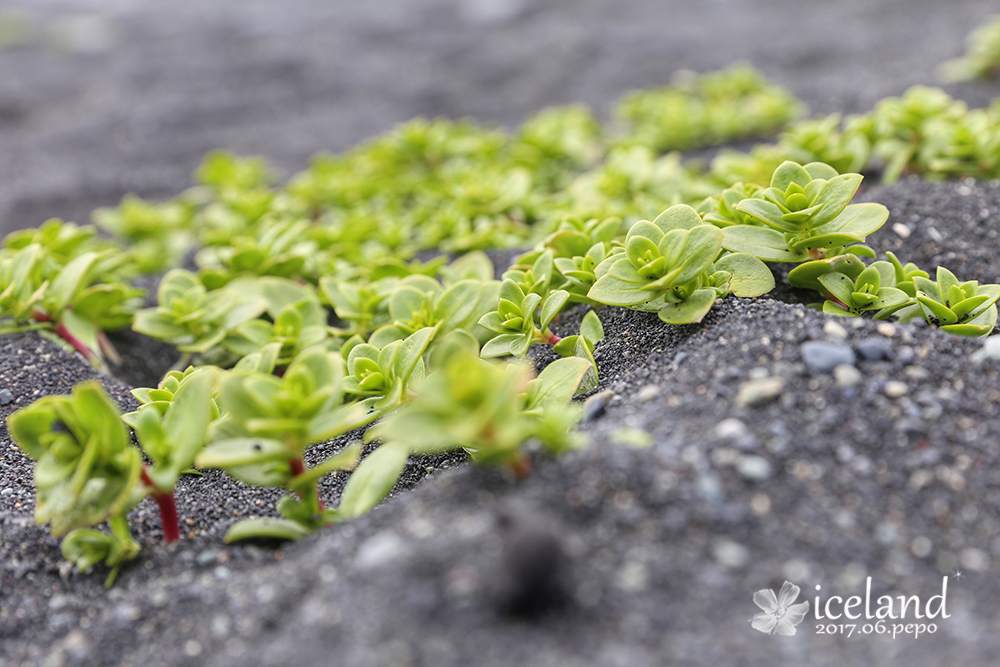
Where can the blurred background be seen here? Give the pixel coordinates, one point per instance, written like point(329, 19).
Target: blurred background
point(103, 97)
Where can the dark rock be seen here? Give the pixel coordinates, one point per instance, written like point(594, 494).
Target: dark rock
point(875, 348)
point(823, 356)
point(596, 405)
point(531, 577)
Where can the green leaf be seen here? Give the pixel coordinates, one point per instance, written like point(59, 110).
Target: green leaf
point(591, 328)
point(556, 385)
point(553, 304)
point(831, 308)
point(767, 213)
point(835, 197)
point(760, 242)
point(888, 297)
point(616, 292)
point(372, 480)
point(680, 216)
point(68, 282)
point(820, 170)
point(410, 351)
point(789, 172)
point(936, 310)
point(857, 219)
point(825, 241)
point(981, 325)
point(691, 310)
point(187, 418)
point(501, 346)
point(265, 528)
point(839, 285)
point(240, 451)
point(750, 276)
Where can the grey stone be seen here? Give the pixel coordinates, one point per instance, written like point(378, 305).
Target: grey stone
point(823, 356)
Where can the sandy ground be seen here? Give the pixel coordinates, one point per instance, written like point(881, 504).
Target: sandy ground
point(654, 552)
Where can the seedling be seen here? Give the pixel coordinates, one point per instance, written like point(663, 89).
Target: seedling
point(387, 373)
point(77, 300)
point(515, 320)
point(804, 215)
point(672, 266)
point(967, 309)
point(267, 424)
point(982, 56)
point(871, 290)
point(582, 345)
point(192, 318)
point(487, 409)
point(417, 302)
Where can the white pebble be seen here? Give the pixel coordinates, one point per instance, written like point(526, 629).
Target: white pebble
point(895, 389)
point(846, 375)
point(902, 231)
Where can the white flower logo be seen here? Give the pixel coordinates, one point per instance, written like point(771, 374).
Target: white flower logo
point(780, 616)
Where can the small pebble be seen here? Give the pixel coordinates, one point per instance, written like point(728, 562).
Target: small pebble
point(821, 356)
point(874, 349)
point(595, 406)
point(730, 429)
point(730, 554)
point(886, 329)
point(648, 393)
point(6, 397)
point(207, 557)
point(895, 389)
point(902, 231)
point(846, 375)
point(834, 330)
point(754, 468)
point(759, 392)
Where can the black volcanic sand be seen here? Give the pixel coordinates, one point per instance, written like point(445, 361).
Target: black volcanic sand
point(619, 554)
point(636, 554)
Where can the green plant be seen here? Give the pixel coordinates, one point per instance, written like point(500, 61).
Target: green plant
point(387, 373)
point(158, 233)
point(708, 110)
point(192, 318)
point(872, 289)
point(982, 57)
point(515, 319)
point(267, 424)
point(298, 320)
point(417, 302)
point(672, 266)
point(900, 126)
point(59, 286)
point(964, 308)
point(582, 345)
point(86, 472)
point(805, 214)
point(487, 409)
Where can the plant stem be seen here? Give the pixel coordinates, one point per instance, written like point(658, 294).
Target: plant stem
point(550, 338)
point(108, 349)
point(168, 510)
point(60, 330)
point(297, 467)
point(521, 466)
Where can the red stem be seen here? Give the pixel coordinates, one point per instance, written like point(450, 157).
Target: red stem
point(837, 301)
point(168, 510)
point(64, 333)
point(297, 467)
point(552, 339)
